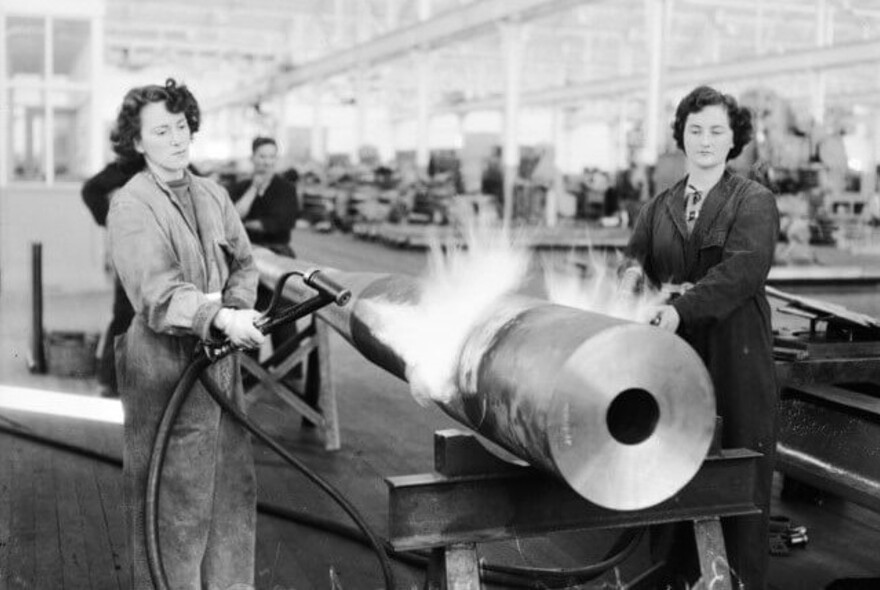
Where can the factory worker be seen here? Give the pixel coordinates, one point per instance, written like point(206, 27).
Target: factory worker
point(268, 207)
point(714, 233)
point(185, 262)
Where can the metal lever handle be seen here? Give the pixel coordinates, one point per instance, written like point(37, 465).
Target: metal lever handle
point(329, 291)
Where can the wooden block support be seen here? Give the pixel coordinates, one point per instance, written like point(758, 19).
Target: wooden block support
point(316, 398)
point(454, 567)
point(462, 568)
point(327, 391)
point(457, 452)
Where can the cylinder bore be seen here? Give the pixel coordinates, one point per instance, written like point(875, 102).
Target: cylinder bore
point(632, 416)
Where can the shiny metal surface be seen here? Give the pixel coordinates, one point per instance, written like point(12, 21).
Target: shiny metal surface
point(623, 412)
point(829, 437)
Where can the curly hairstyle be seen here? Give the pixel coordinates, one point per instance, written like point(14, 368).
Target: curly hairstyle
point(177, 99)
point(740, 118)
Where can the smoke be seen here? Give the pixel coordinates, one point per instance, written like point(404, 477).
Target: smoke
point(598, 283)
point(461, 285)
point(464, 283)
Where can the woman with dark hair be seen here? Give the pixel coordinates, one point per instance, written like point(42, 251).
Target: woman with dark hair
point(185, 262)
point(712, 235)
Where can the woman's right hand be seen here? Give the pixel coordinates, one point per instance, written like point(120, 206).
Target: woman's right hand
point(238, 325)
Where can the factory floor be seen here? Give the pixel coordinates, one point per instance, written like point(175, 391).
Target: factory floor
point(61, 517)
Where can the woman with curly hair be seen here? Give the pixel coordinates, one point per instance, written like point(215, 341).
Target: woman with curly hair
point(185, 262)
point(713, 235)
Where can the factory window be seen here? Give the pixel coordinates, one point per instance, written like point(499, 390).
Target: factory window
point(70, 129)
point(25, 47)
point(70, 50)
point(48, 99)
point(27, 133)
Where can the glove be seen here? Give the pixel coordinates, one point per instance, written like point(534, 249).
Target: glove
point(238, 325)
point(667, 318)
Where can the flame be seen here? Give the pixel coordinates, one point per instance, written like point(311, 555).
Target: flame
point(463, 283)
point(594, 284)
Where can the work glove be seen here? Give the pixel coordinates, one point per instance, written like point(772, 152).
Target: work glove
point(238, 325)
point(666, 317)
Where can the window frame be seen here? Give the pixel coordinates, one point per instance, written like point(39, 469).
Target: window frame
point(48, 85)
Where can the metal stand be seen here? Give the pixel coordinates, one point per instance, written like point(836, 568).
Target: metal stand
point(312, 394)
point(829, 391)
point(476, 497)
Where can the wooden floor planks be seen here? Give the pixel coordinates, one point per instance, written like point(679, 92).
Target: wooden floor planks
point(108, 484)
point(48, 487)
point(61, 519)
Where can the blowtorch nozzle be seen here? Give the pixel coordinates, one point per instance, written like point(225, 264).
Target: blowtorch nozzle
point(321, 282)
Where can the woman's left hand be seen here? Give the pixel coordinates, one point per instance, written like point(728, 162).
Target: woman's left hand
point(667, 318)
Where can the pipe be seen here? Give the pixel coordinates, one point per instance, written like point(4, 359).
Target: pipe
point(622, 412)
point(37, 360)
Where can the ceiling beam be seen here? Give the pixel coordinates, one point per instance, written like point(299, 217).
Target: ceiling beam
point(835, 56)
point(198, 11)
point(167, 46)
point(468, 20)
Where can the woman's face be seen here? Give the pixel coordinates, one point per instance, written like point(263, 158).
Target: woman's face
point(708, 137)
point(164, 140)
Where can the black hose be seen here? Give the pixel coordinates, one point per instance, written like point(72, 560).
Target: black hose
point(157, 461)
point(60, 445)
point(341, 500)
point(622, 548)
point(513, 576)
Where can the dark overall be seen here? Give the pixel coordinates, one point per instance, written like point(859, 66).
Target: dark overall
point(726, 318)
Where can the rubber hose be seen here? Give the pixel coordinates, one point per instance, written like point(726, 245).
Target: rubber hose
point(157, 461)
point(494, 573)
point(341, 500)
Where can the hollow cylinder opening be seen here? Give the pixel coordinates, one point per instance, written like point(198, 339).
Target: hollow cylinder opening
point(632, 416)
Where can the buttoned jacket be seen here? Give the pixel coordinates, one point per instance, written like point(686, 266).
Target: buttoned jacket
point(725, 316)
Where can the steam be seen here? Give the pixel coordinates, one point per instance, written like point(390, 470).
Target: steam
point(596, 283)
point(463, 285)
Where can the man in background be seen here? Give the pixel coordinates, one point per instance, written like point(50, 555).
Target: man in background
point(268, 207)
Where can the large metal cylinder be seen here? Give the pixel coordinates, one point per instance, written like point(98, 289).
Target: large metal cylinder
point(623, 412)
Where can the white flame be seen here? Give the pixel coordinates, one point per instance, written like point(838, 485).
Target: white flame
point(594, 284)
point(463, 284)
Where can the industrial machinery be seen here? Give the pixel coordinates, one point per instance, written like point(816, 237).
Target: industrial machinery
point(829, 431)
point(616, 420)
point(795, 155)
point(432, 199)
point(318, 202)
point(622, 412)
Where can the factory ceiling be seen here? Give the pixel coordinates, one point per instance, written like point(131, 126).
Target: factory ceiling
point(575, 51)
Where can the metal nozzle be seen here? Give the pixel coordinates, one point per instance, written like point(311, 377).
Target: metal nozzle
point(327, 286)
